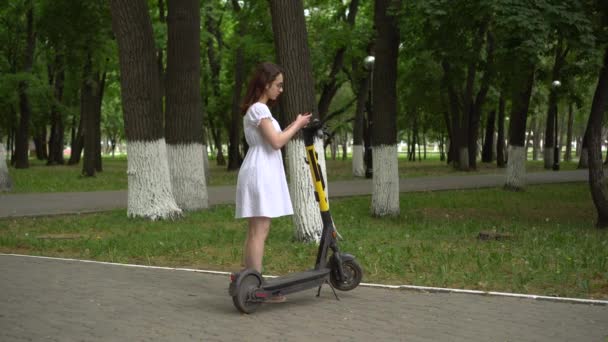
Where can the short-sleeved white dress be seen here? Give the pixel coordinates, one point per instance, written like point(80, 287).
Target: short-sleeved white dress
point(261, 188)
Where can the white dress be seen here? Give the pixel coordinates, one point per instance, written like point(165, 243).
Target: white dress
point(261, 188)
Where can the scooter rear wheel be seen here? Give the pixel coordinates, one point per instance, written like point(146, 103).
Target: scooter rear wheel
point(353, 273)
point(242, 299)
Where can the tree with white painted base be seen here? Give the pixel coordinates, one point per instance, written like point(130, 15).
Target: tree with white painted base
point(516, 162)
point(385, 190)
point(149, 184)
point(293, 54)
point(5, 178)
point(184, 124)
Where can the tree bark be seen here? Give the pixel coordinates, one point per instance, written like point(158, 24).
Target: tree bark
point(234, 156)
point(480, 99)
point(568, 153)
point(358, 127)
point(57, 130)
point(149, 183)
point(77, 142)
point(22, 138)
point(291, 45)
point(6, 184)
point(516, 165)
point(501, 160)
point(597, 182)
point(583, 161)
point(487, 153)
point(89, 103)
point(385, 185)
point(184, 124)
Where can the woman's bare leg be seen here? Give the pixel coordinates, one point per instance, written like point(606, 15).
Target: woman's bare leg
point(254, 245)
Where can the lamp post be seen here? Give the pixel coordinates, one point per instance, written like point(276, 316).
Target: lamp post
point(556, 84)
point(368, 63)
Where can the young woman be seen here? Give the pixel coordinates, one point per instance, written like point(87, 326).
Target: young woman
point(261, 191)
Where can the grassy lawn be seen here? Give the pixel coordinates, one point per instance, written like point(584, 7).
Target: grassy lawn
point(64, 178)
point(552, 246)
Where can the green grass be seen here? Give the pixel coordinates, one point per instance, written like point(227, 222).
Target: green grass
point(553, 249)
point(65, 178)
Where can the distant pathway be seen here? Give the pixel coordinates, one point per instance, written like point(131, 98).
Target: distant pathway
point(38, 204)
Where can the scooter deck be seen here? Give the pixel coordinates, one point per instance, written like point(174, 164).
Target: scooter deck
point(301, 279)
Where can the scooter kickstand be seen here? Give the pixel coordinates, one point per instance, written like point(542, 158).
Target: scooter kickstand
point(332, 289)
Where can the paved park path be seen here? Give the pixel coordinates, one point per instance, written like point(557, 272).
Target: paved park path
point(81, 202)
point(46, 299)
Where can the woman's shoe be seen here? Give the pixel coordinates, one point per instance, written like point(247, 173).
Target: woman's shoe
point(276, 299)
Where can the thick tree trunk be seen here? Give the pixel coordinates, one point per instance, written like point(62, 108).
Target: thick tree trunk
point(184, 126)
point(22, 138)
point(57, 131)
point(516, 165)
point(149, 193)
point(385, 185)
point(487, 153)
point(597, 182)
point(5, 178)
point(501, 160)
point(291, 45)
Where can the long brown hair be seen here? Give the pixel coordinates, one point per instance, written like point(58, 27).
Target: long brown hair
point(264, 74)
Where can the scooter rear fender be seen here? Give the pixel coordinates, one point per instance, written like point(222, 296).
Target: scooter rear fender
point(236, 279)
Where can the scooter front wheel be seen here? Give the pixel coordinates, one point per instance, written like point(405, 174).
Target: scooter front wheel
point(243, 298)
point(353, 273)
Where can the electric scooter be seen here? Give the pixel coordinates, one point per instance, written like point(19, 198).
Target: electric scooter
point(341, 271)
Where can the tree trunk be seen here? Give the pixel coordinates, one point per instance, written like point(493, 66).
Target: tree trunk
point(568, 154)
point(454, 155)
point(597, 182)
point(184, 124)
point(57, 131)
point(214, 57)
point(385, 185)
point(480, 99)
point(77, 143)
point(39, 138)
point(5, 178)
point(487, 153)
point(583, 162)
point(358, 128)
point(89, 101)
point(501, 161)
point(149, 193)
point(234, 157)
point(516, 165)
point(22, 138)
point(536, 129)
point(291, 45)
